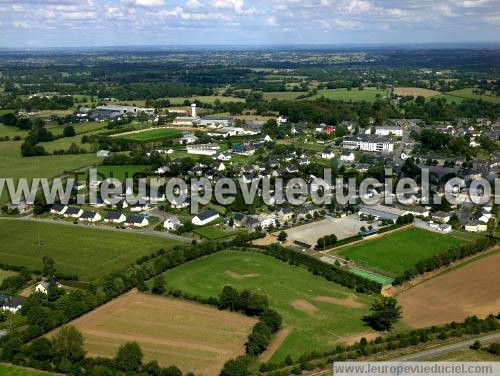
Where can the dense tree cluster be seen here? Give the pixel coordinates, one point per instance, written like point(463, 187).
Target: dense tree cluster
point(326, 241)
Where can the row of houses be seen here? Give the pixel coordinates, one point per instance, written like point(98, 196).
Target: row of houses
point(366, 142)
point(93, 217)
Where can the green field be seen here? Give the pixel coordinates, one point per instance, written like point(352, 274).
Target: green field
point(319, 328)
point(5, 274)
point(468, 94)
point(355, 95)
point(154, 135)
point(372, 276)
point(89, 253)
point(11, 132)
point(13, 165)
point(394, 253)
point(8, 370)
point(283, 95)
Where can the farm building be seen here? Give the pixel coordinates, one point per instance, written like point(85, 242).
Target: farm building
point(205, 218)
point(12, 304)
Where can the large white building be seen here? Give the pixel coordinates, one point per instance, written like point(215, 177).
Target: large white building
point(110, 112)
point(203, 149)
point(216, 121)
point(369, 143)
point(388, 130)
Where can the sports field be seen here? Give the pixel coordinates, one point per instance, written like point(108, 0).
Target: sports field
point(154, 135)
point(317, 314)
point(8, 370)
point(87, 252)
point(355, 95)
point(469, 289)
point(394, 253)
point(194, 337)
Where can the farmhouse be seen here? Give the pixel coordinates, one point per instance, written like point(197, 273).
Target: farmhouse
point(43, 286)
point(136, 221)
point(103, 153)
point(381, 212)
point(172, 223)
point(73, 212)
point(58, 209)
point(204, 218)
point(90, 216)
point(114, 217)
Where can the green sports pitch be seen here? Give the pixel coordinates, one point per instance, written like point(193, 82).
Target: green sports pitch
point(153, 135)
point(318, 313)
point(392, 254)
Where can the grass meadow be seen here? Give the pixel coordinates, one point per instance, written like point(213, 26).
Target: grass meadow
point(86, 252)
point(8, 370)
point(317, 313)
point(354, 95)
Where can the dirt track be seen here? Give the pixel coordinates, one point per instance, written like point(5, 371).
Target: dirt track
point(469, 290)
point(194, 337)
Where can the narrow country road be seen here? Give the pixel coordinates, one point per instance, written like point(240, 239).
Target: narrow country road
point(446, 349)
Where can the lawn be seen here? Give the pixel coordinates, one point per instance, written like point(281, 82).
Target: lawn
point(8, 370)
point(213, 232)
point(13, 165)
point(317, 313)
point(196, 338)
point(154, 135)
point(394, 253)
point(89, 253)
point(355, 95)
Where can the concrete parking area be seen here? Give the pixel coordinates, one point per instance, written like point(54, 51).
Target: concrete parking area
point(341, 227)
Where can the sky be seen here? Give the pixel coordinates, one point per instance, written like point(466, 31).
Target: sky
point(87, 23)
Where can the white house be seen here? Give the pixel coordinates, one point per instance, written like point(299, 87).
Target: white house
point(43, 286)
point(90, 216)
point(224, 157)
point(103, 153)
point(205, 218)
point(347, 156)
point(58, 209)
point(73, 212)
point(369, 143)
point(13, 305)
point(172, 223)
point(327, 154)
point(114, 217)
point(136, 221)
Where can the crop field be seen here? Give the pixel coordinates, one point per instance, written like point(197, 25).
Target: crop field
point(89, 253)
point(194, 337)
point(355, 95)
point(471, 289)
point(154, 135)
point(394, 253)
point(13, 165)
point(469, 94)
point(8, 370)
point(317, 314)
point(415, 91)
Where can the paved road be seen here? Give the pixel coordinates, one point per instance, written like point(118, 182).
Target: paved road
point(423, 355)
point(150, 232)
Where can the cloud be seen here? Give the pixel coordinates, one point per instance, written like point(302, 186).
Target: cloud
point(145, 3)
point(228, 4)
point(194, 4)
point(21, 25)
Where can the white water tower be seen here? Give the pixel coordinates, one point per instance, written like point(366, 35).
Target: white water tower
point(193, 110)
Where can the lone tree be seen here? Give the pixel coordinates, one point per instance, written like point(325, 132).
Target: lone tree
point(385, 312)
point(129, 357)
point(282, 236)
